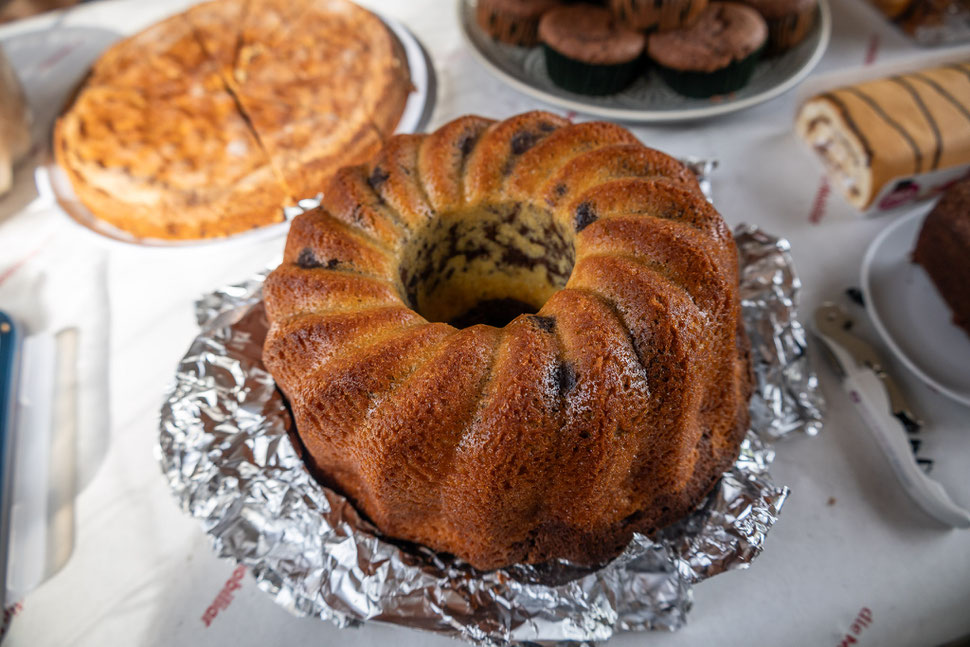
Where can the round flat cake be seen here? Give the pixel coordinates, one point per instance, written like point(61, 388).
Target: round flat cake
point(210, 122)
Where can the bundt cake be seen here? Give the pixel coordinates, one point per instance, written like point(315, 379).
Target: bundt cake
point(513, 341)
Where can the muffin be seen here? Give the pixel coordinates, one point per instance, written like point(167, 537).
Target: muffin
point(512, 21)
point(588, 52)
point(789, 21)
point(715, 55)
point(660, 15)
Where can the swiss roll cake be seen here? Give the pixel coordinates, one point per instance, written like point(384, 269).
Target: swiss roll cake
point(896, 132)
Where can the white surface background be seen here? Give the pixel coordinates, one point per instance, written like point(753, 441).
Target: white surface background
point(142, 573)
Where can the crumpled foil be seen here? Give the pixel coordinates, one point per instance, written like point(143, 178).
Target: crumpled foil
point(225, 448)
point(702, 168)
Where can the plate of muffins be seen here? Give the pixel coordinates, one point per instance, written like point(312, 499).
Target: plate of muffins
point(649, 61)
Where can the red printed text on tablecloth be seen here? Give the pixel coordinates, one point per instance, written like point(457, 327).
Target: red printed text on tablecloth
point(861, 622)
point(8, 615)
point(224, 599)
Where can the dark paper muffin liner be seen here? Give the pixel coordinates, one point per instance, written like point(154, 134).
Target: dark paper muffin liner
point(701, 85)
point(589, 78)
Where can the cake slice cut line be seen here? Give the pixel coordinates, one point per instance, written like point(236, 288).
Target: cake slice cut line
point(216, 58)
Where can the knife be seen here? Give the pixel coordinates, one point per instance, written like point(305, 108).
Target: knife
point(884, 409)
point(9, 363)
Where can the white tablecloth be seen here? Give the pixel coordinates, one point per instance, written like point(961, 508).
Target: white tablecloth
point(849, 542)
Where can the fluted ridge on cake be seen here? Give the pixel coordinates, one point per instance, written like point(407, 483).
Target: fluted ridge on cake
point(609, 406)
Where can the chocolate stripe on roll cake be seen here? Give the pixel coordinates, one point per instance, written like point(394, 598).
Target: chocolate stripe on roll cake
point(895, 125)
point(927, 115)
point(872, 133)
point(942, 92)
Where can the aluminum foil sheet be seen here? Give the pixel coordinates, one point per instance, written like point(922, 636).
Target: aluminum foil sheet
point(225, 448)
point(788, 397)
point(702, 168)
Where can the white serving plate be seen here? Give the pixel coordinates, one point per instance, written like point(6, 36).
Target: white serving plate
point(55, 189)
point(909, 313)
point(648, 100)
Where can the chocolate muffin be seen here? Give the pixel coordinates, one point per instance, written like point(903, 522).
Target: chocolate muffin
point(588, 52)
point(660, 15)
point(789, 21)
point(512, 21)
point(716, 55)
point(943, 249)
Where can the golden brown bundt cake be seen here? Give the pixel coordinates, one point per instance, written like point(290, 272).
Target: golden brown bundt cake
point(514, 341)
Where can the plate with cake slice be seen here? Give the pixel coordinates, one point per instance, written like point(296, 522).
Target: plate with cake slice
point(219, 122)
point(909, 301)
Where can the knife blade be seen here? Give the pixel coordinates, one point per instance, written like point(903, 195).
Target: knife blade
point(882, 406)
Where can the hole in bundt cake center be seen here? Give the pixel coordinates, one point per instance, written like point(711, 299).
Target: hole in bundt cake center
point(486, 264)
